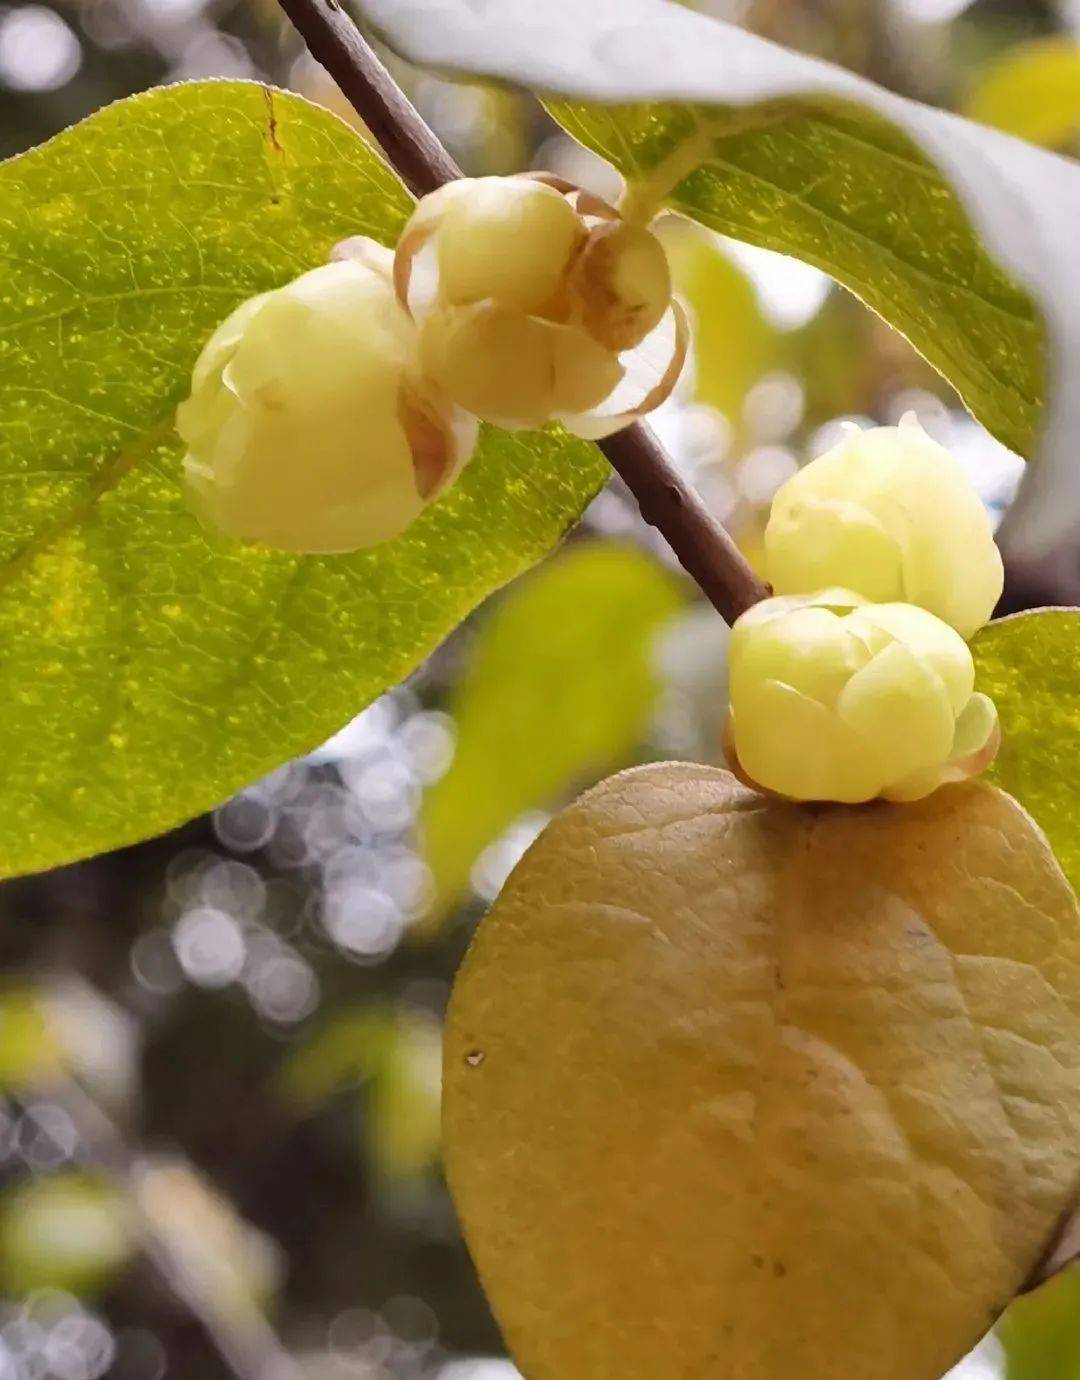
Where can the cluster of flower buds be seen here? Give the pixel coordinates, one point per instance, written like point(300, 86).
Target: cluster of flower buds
point(856, 682)
point(324, 416)
point(534, 291)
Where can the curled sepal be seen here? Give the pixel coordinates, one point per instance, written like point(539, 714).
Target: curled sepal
point(362, 249)
point(622, 280)
point(587, 204)
point(441, 437)
point(595, 425)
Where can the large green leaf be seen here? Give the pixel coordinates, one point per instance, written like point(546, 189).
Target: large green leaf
point(560, 687)
point(1028, 664)
point(919, 212)
point(147, 668)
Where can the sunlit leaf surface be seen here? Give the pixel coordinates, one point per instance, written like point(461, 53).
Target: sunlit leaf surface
point(149, 668)
point(1041, 1332)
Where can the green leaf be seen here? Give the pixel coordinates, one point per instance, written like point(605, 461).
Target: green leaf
point(782, 182)
point(1027, 665)
point(1041, 1331)
point(920, 213)
point(29, 1050)
point(397, 1052)
point(149, 668)
point(560, 686)
point(71, 1231)
point(347, 1049)
point(1033, 91)
point(402, 1123)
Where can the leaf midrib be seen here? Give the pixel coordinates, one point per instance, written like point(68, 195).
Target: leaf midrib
point(102, 482)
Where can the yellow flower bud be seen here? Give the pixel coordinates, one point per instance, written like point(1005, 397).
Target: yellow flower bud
point(890, 514)
point(623, 283)
point(527, 290)
point(309, 426)
point(507, 239)
point(513, 369)
point(833, 698)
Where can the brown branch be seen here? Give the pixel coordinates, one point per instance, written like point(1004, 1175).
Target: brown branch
point(409, 144)
point(703, 547)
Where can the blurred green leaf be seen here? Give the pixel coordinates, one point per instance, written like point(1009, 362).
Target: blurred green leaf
point(64, 1025)
point(560, 686)
point(397, 1053)
point(1041, 1332)
point(97, 1040)
point(70, 1231)
point(1033, 91)
point(340, 1054)
point(149, 668)
point(1027, 664)
point(403, 1121)
point(733, 342)
point(834, 358)
point(29, 1048)
point(923, 215)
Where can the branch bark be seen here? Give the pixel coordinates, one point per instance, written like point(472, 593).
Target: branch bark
point(667, 501)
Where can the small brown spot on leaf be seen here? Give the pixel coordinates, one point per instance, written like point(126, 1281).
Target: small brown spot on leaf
point(271, 121)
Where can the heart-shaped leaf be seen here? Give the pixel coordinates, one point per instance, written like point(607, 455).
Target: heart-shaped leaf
point(737, 1088)
point(149, 668)
point(922, 214)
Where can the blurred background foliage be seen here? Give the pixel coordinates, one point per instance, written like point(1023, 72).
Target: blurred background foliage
point(219, 1051)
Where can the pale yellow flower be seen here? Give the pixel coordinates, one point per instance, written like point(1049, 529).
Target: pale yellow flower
point(890, 514)
point(310, 426)
point(834, 698)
